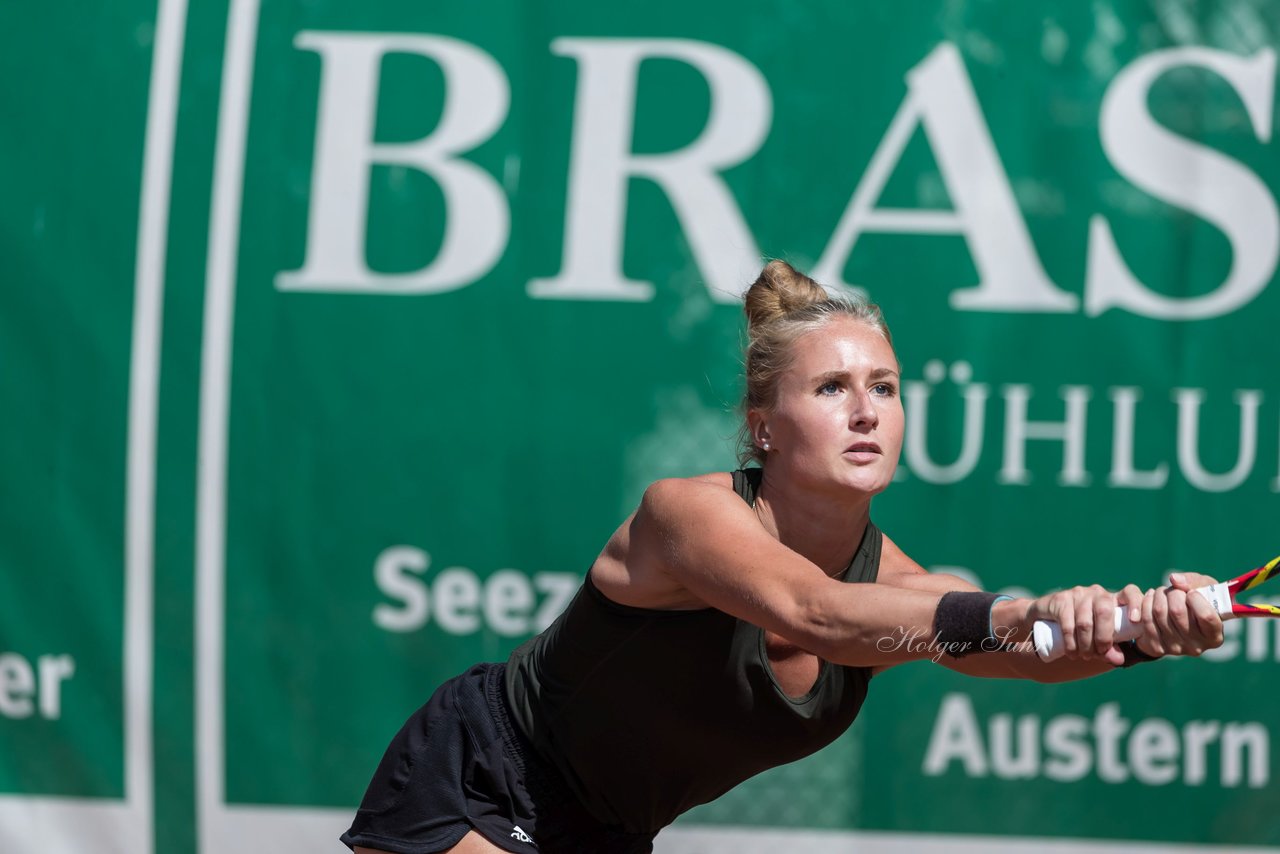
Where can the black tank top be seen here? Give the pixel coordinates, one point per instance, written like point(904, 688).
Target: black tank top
point(649, 713)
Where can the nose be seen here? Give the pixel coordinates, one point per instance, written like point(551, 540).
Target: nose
point(864, 415)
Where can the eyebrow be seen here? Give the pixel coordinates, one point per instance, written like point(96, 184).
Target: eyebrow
point(878, 373)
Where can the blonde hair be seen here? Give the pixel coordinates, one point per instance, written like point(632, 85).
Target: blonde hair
point(782, 306)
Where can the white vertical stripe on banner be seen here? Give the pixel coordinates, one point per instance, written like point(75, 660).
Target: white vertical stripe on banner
point(73, 825)
point(144, 398)
point(215, 395)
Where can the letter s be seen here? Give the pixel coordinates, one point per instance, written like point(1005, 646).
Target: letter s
point(396, 573)
point(1191, 176)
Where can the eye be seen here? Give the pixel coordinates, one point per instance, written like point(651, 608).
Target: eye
point(884, 389)
point(829, 387)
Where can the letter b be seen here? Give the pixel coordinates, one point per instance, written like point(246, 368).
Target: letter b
point(478, 219)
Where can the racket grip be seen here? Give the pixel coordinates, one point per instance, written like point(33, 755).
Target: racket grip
point(1047, 635)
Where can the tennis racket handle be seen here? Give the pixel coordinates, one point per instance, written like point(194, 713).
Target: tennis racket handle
point(1046, 635)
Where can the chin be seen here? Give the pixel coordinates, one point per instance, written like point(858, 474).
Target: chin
point(872, 489)
point(866, 483)
point(863, 485)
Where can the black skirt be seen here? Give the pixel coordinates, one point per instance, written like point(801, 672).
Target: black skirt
point(458, 764)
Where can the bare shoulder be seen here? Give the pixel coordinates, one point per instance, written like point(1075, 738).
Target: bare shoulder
point(718, 478)
point(632, 568)
point(696, 507)
point(682, 490)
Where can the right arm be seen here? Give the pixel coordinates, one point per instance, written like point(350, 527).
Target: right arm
point(700, 538)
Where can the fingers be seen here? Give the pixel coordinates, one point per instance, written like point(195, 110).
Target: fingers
point(1208, 620)
point(1174, 620)
point(1150, 635)
point(1104, 619)
point(1130, 598)
point(1197, 620)
point(1084, 623)
point(1170, 638)
point(1182, 621)
point(1067, 622)
point(1192, 615)
point(1087, 618)
point(1190, 580)
point(1179, 623)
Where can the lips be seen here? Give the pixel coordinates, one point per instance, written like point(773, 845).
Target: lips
point(863, 448)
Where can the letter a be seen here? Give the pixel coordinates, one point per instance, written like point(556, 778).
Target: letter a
point(956, 737)
point(941, 99)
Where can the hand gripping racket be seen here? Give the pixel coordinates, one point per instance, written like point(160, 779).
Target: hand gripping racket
point(1047, 635)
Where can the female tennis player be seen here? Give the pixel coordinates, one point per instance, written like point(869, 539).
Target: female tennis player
point(731, 624)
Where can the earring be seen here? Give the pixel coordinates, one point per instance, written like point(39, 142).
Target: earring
point(766, 446)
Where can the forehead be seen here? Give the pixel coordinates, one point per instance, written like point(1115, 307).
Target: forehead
point(843, 344)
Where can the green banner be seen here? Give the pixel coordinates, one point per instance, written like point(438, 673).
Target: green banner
point(336, 338)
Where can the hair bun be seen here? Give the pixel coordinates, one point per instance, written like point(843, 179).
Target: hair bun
point(780, 290)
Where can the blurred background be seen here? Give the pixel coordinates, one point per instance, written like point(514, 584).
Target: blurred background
point(336, 338)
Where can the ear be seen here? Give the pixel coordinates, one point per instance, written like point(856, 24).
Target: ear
point(758, 426)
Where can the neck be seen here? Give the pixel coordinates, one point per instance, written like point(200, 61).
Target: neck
point(824, 528)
